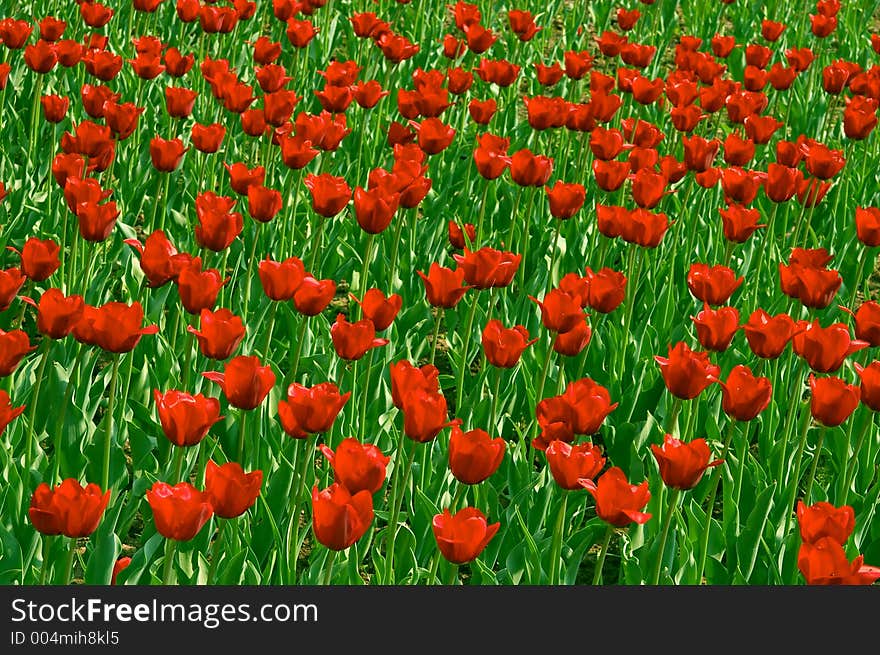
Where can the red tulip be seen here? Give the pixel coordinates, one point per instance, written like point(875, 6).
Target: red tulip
point(312, 410)
point(352, 340)
point(486, 268)
point(340, 518)
point(229, 490)
point(263, 203)
point(39, 258)
point(424, 414)
point(443, 285)
point(406, 377)
point(198, 289)
point(527, 169)
point(868, 226)
point(825, 521)
point(716, 328)
point(825, 349)
point(179, 511)
point(687, 373)
point(568, 463)
point(56, 314)
point(380, 310)
point(330, 194)
point(244, 381)
point(504, 346)
point(560, 312)
point(462, 536)
point(280, 280)
point(682, 464)
point(712, 284)
point(743, 395)
point(606, 289)
point(768, 335)
point(739, 223)
point(356, 466)
point(870, 387)
point(617, 501)
point(375, 208)
point(220, 333)
point(826, 563)
point(565, 199)
point(473, 455)
point(186, 418)
point(114, 326)
point(312, 296)
point(166, 154)
point(160, 261)
point(69, 509)
point(832, 400)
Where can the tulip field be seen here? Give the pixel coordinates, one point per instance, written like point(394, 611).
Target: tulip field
point(299, 292)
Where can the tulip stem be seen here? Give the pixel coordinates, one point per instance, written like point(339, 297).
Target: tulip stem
point(44, 567)
point(459, 495)
point(316, 248)
point(539, 396)
point(397, 500)
point(178, 464)
point(187, 355)
point(769, 241)
point(365, 395)
point(366, 269)
point(328, 567)
point(216, 552)
point(496, 391)
point(270, 329)
point(108, 435)
point(466, 342)
point(170, 551)
point(300, 337)
point(815, 464)
point(438, 319)
point(250, 271)
point(435, 565)
point(453, 575)
point(603, 552)
point(797, 471)
point(301, 490)
point(851, 468)
point(45, 346)
point(558, 535)
point(242, 433)
point(525, 236)
point(479, 235)
point(62, 411)
point(716, 482)
point(35, 113)
point(859, 273)
point(553, 254)
point(664, 534)
point(68, 565)
point(672, 427)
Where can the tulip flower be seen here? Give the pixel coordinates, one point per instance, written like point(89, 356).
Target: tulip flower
point(244, 381)
point(229, 490)
point(340, 518)
point(712, 284)
point(716, 327)
point(743, 395)
point(424, 414)
point(487, 268)
point(313, 410)
point(823, 520)
point(462, 536)
point(682, 464)
point(560, 312)
point(356, 466)
point(617, 501)
point(160, 262)
point(57, 314)
point(179, 511)
point(380, 310)
point(570, 463)
point(312, 296)
point(768, 335)
point(825, 349)
point(443, 285)
point(330, 194)
point(405, 377)
point(473, 455)
point(351, 341)
point(686, 373)
point(826, 563)
point(504, 346)
point(280, 280)
point(69, 509)
point(186, 418)
point(832, 400)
